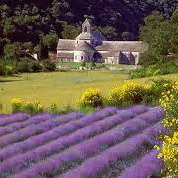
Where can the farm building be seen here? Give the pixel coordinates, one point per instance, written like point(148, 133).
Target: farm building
point(93, 46)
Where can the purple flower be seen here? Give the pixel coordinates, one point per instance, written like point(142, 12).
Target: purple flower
point(14, 118)
point(88, 148)
point(145, 167)
point(19, 125)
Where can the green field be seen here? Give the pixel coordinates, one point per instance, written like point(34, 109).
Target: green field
point(62, 88)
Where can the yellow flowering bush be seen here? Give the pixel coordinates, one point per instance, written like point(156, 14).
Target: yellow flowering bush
point(91, 98)
point(169, 103)
point(169, 153)
point(127, 94)
point(18, 105)
point(169, 149)
point(156, 88)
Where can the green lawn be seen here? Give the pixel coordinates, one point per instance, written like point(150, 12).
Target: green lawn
point(61, 88)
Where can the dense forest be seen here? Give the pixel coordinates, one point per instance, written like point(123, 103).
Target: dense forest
point(28, 21)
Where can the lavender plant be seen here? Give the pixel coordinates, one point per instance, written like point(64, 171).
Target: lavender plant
point(95, 165)
point(13, 118)
point(146, 167)
point(19, 125)
point(81, 151)
point(54, 133)
point(109, 137)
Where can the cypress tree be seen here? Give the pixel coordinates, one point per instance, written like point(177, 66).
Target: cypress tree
point(43, 51)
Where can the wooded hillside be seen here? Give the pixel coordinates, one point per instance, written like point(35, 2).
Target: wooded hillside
point(25, 20)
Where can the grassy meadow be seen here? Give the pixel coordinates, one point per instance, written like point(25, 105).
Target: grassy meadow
point(62, 88)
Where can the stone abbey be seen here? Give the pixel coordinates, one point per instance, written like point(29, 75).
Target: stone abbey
point(93, 46)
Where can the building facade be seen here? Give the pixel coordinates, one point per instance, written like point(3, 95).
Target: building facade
point(92, 46)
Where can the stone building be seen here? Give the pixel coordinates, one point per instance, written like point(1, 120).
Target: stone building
point(93, 46)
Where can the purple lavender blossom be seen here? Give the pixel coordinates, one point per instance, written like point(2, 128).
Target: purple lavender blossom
point(14, 118)
point(54, 133)
point(152, 116)
point(116, 134)
point(19, 125)
point(91, 167)
point(86, 149)
point(145, 167)
point(33, 129)
point(73, 132)
point(77, 153)
point(138, 109)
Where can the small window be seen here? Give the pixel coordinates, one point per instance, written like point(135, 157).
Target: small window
point(82, 57)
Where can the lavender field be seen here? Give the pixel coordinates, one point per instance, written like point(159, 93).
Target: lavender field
point(109, 143)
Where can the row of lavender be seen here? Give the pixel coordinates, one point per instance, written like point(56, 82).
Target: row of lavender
point(78, 146)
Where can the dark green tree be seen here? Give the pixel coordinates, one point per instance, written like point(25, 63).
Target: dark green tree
point(43, 51)
point(51, 40)
point(70, 31)
point(161, 34)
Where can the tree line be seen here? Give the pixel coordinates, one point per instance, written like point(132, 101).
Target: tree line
point(25, 24)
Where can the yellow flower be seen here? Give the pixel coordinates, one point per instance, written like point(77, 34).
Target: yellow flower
point(16, 101)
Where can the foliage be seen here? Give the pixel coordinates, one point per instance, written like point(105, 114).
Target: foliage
point(161, 34)
point(169, 149)
point(109, 32)
point(7, 67)
point(87, 109)
point(24, 65)
point(169, 152)
point(26, 21)
point(43, 51)
point(156, 88)
point(50, 40)
point(83, 64)
point(92, 65)
point(36, 66)
point(12, 51)
point(18, 105)
point(1, 107)
point(127, 94)
point(49, 65)
point(169, 67)
point(91, 98)
point(70, 31)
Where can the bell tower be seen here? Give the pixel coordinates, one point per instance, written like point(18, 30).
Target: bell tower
point(86, 26)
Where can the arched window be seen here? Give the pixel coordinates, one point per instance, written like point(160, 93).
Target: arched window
point(82, 57)
point(85, 29)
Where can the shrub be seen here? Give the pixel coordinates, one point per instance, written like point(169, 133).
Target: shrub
point(127, 94)
point(54, 109)
point(7, 67)
point(83, 64)
point(169, 149)
point(18, 105)
point(87, 109)
point(36, 66)
point(169, 154)
point(1, 107)
point(49, 65)
point(23, 66)
point(157, 87)
point(91, 98)
point(32, 108)
point(154, 70)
